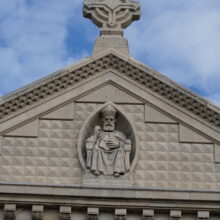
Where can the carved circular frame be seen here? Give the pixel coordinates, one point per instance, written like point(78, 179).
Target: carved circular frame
point(88, 127)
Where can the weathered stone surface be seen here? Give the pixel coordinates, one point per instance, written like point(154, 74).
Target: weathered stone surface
point(64, 113)
point(217, 154)
point(93, 213)
point(50, 158)
point(154, 116)
point(120, 214)
point(108, 214)
point(203, 215)
point(163, 161)
point(112, 16)
point(175, 215)
point(148, 214)
point(9, 212)
point(65, 213)
point(111, 93)
point(1, 140)
point(28, 130)
point(141, 75)
point(189, 136)
point(164, 141)
point(117, 43)
point(37, 212)
point(100, 161)
point(108, 150)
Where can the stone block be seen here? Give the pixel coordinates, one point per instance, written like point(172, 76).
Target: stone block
point(148, 214)
point(63, 113)
point(202, 215)
point(1, 140)
point(120, 214)
point(175, 215)
point(111, 93)
point(65, 212)
point(189, 136)
point(93, 213)
point(9, 211)
point(117, 43)
point(28, 130)
point(37, 212)
point(217, 153)
point(153, 115)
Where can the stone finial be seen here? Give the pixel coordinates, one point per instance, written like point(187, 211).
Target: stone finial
point(112, 16)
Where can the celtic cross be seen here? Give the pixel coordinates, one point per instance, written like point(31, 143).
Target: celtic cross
point(112, 16)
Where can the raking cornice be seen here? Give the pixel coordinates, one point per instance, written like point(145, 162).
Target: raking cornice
point(134, 70)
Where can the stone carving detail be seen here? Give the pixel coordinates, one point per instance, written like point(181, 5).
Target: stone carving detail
point(112, 16)
point(108, 150)
point(177, 96)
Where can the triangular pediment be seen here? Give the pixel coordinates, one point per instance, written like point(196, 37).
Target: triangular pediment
point(153, 115)
point(30, 129)
point(110, 77)
point(110, 92)
point(62, 113)
point(50, 126)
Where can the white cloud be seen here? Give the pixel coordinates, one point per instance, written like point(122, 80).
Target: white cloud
point(32, 39)
point(181, 39)
point(215, 98)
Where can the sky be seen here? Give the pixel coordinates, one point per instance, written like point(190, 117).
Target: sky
point(179, 38)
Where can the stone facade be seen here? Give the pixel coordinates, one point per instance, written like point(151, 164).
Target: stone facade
point(167, 137)
point(163, 162)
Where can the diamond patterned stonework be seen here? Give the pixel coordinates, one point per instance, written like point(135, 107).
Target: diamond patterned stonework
point(50, 158)
point(163, 162)
point(109, 138)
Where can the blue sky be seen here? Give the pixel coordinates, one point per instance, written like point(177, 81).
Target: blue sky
point(179, 38)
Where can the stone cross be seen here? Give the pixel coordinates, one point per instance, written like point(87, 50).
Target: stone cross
point(112, 16)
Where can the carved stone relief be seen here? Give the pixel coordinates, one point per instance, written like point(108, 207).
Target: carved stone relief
point(107, 147)
point(108, 150)
point(112, 15)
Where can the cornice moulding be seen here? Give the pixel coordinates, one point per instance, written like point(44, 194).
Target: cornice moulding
point(144, 76)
